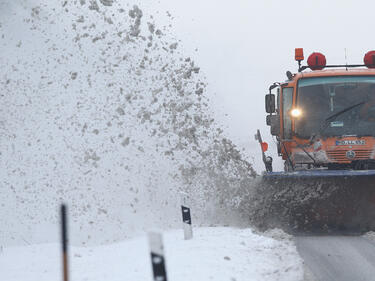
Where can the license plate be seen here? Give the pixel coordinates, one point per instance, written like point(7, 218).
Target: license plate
point(351, 142)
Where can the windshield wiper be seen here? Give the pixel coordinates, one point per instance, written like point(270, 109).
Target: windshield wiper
point(333, 117)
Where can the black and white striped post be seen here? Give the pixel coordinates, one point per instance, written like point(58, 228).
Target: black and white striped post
point(64, 242)
point(157, 256)
point(186, 216)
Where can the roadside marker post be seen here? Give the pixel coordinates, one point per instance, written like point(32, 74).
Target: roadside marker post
point(186, 216)
point(64, 242)
point(157, 256)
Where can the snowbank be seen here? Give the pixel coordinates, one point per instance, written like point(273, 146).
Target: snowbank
point(214, 254)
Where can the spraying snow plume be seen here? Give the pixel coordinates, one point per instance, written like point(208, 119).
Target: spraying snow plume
point(100, 109)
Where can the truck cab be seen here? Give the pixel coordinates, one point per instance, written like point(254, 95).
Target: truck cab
point(325, 118)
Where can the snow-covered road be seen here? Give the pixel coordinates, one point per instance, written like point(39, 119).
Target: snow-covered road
point(216, 253)
point(344, 258)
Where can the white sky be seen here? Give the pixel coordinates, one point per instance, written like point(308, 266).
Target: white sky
point(244, 46)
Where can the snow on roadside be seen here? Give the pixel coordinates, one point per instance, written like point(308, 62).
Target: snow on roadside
point(370, 235)
point(217, 253)
point(102, 110)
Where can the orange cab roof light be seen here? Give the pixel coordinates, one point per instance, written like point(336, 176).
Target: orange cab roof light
point(369, 59)
point(317, 61)
point(298, 54)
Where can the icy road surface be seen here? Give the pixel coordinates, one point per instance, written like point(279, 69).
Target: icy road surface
point(217, 253)
point(344, 258)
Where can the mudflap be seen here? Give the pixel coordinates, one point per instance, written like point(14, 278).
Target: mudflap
point(322, 201)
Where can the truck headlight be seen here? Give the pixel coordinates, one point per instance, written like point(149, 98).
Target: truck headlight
point(295, 112)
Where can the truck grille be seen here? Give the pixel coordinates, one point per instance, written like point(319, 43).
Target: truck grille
point(340, 155)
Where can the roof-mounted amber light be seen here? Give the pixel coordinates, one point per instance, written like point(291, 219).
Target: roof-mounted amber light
point(298, 54)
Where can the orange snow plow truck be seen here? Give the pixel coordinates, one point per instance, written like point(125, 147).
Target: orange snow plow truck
point(323, 119)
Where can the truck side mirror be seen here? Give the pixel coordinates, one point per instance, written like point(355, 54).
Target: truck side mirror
point(274, 122)
point(268, 120)
point(270, 103)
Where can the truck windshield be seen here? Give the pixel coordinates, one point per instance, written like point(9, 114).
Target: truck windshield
point(320, 98)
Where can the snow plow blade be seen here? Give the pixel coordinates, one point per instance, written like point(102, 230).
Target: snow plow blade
point(320, 201)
